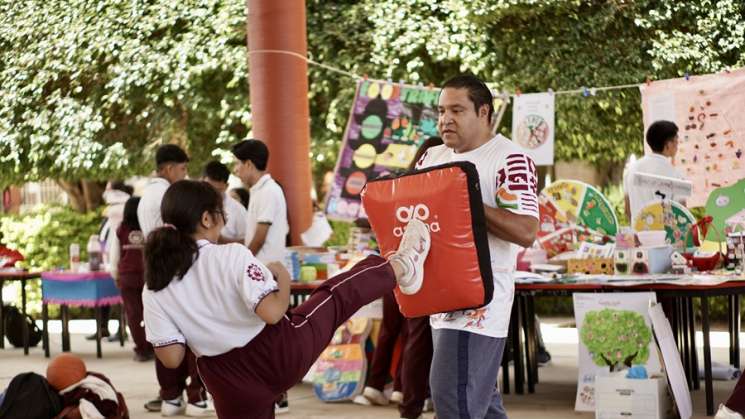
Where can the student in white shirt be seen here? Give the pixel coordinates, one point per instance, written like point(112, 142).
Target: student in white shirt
point(662, 137)
point(267, 226)
point(217, 175)
point(231, 309)
point(171, 162)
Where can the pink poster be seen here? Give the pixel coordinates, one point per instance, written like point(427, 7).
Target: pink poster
point(708, 112)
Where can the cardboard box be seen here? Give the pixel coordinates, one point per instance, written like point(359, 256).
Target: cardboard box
point(624, 398)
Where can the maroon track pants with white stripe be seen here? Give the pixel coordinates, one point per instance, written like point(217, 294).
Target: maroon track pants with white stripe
point(246, 381)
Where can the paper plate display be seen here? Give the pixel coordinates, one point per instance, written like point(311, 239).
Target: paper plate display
point(573, 211)
point(676, 222)
point(725, 205)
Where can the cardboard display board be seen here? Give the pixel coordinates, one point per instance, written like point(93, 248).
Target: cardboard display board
point(615, 333)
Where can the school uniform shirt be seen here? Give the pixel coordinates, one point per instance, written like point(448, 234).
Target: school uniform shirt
point(212, 309)
point(148, 210)
point(508, 180)
point(268, 206)
point(130, 269)
point(655, 164)
point(236, 215)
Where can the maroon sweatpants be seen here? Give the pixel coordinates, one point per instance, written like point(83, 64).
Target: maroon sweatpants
point(173, 380)
point(132, 298)
point(416, 360)
point(246, 381)
point(736, 400)
point(390, 329)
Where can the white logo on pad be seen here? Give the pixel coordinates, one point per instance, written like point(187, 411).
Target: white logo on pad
point(419, 212)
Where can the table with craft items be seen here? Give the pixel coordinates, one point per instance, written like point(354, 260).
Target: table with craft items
point(524, 341)
point(78, 289)
point(23, 277)
point(681, 316)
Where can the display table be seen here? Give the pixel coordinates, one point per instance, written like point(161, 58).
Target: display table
point(79, 289)
point(13, 275)
point(524, 340)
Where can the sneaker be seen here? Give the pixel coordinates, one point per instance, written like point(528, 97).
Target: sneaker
point(361, 400)
point(428, 405)
point(375, 396)
point(412, 252)
point(397, 397)
point(115, 337)
point(149, 356)
point(282, 406)
point(543, 357)
point(725, 412)
point(200, 409)
point(104, 334)
point(173, 407)
point(154, 405)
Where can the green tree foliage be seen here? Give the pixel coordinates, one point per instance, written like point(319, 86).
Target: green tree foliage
point(89, 89)
point(44, 235)
point(616, 338)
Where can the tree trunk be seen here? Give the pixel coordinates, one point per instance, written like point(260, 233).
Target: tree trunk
point(85, 195)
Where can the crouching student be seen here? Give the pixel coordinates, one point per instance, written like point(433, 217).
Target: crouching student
point(231, 310)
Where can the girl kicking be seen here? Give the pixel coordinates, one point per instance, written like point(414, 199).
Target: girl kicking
point(231, 310)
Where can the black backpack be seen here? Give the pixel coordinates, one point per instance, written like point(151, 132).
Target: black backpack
point(29, 396)
point(15, 321)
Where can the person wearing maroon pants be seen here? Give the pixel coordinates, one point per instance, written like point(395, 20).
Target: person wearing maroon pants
point(231, 310)
point(128, 271)
point(391, 329)
point(734, 408)
point(416, 359)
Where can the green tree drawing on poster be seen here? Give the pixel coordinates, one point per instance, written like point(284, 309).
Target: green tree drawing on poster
point(616, 338)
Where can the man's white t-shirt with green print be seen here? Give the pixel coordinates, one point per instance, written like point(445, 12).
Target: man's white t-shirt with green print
point(508, 180)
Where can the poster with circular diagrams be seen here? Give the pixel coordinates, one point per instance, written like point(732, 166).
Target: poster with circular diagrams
point(533, 126)
point(670, 216)
point(387, 124)
point(571, 211)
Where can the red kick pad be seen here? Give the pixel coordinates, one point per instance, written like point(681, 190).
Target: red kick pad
point(457, 272)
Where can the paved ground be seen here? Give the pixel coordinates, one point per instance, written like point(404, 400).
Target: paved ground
point(554, 395)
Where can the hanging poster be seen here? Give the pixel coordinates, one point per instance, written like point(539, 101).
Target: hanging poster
point(711, 140)
point(614, 333)
point(533, 126)
point(387, 124)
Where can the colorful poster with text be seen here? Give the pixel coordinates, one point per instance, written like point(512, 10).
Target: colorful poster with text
point(711, 136)
point(387, 124)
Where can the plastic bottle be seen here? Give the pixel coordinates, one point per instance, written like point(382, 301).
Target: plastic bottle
point(74, 257)
point(95, 253)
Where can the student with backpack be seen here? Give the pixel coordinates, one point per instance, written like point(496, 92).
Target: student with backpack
point(231, 309)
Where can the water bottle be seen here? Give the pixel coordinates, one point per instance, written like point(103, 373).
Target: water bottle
point(74, 257)
point(95, 253)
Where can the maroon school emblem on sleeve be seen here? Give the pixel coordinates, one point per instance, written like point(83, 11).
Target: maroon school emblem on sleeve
point(255, 272)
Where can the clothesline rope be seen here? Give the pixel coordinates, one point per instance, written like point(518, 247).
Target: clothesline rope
point(586, 91)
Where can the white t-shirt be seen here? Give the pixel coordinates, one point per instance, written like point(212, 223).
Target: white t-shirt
point(268, 206)
point(235, 227)
point(212, 309)
point(655, 164)
point(508, 180)
point(148, 210)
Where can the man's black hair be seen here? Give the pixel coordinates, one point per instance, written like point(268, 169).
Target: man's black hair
point(659, 133)
point(478, 92)
point(170, 153)
point(253, 150)
point(216, 171)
